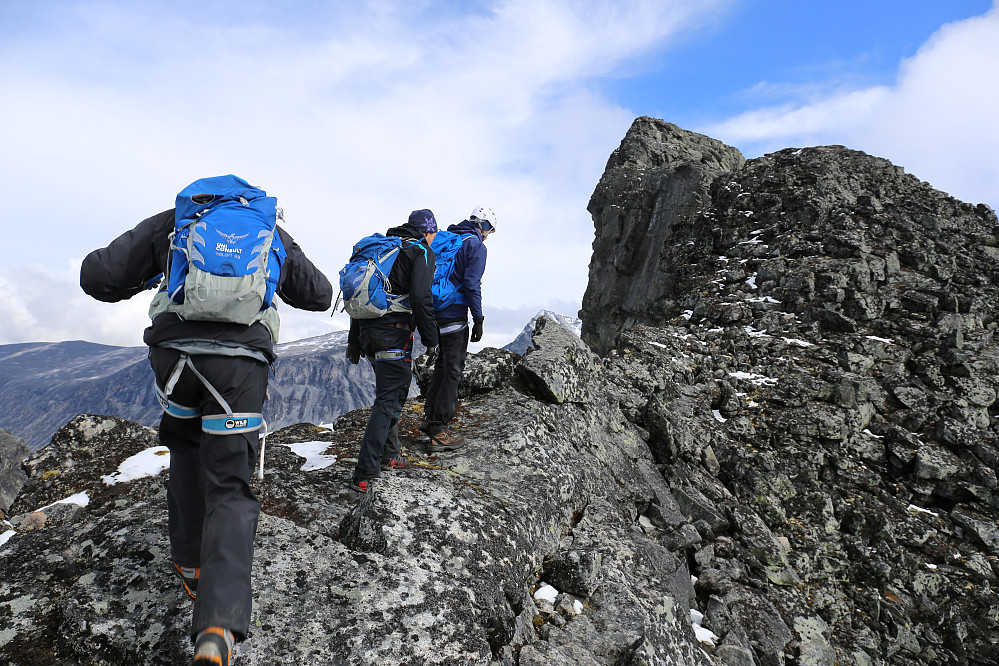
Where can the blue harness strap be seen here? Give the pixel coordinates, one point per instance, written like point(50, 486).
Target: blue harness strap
point(231, 424)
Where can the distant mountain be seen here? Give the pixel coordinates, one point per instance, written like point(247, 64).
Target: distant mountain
point(522, 342)
point(44, 385)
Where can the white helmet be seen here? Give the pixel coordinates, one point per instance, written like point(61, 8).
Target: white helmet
point(482, 214)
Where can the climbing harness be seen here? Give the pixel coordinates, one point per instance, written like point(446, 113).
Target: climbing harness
point(229, 423)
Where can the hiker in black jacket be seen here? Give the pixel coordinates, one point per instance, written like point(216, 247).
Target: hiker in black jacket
point(212, 510)
point(387, 342)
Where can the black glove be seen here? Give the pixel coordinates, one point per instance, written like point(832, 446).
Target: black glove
point(477, 329)
point(432, 353)
point(354, 352)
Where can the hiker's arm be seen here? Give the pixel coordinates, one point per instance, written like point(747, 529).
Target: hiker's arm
point(471, 283)
point(420, 296)
point(123, 268)
point(302, 285)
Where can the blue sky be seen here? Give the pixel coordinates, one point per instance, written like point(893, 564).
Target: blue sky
point(354, 114)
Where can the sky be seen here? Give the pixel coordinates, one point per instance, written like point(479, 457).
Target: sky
point(354, 114)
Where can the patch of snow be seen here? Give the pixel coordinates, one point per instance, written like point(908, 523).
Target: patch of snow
point(718, 416)
point(877, 339)
point(696, 616)
point(5, 537)
point(756, 232)
point(751, 241)
point(930, 565)
point(658, 344)
point(546, 592)
point(753, 333)
point(751, 282)
point(705, 636)
point(753, 378)
point(314, 454)
point(867, 432)
point(917, 509)
point(577, 606)
point(81, 499)
point(687, 314)
point(150, 462)
point(796, 341)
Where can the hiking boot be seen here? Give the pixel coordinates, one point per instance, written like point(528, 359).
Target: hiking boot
point(360, 485)
point(189, 576)
point(425, 426)
point(393, 463)
point(214, 646)
point(444, 442)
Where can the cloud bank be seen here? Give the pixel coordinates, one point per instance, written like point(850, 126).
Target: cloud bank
point(352, 114)
point(938, 120)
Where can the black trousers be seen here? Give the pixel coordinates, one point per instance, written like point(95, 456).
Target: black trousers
point(393, 377)
point(212, 510)
point(442, 391)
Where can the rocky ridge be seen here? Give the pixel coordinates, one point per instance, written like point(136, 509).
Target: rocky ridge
point(787, 455)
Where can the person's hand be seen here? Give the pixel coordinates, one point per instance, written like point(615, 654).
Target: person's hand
point(477, 329)
point(432, 353)
point(354, 352)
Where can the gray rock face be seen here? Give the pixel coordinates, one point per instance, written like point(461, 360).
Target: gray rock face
point(523, 341)
point(658, 176)
point(821, 401)
point(12, 453)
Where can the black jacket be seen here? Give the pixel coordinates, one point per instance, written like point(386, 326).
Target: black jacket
point(123, 268)
point(413, 274)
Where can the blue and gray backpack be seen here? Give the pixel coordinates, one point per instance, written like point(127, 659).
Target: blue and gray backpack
point(225, 254)
point(446, 246)
point(364, 281)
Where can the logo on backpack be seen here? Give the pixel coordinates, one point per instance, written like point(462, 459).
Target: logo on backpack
point(225, 254)
point(364, 281)
point(445, 246)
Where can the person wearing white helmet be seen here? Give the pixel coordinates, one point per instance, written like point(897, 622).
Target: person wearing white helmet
point(442, 391)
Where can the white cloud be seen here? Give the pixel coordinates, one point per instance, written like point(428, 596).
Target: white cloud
point(352, 114)
point(938, 120)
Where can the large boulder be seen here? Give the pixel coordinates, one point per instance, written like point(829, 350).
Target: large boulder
point(13, 452)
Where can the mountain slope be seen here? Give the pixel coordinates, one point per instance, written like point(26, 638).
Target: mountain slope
point(43, 385)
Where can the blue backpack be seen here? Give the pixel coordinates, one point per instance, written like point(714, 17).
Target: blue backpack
point(364, 281)
point(225, 253)
point(446, 246)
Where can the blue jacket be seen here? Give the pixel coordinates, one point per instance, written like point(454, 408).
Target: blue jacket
point(469, 265)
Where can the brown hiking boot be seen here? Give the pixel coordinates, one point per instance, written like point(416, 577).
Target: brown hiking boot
point(444, 442)
point(214, 646)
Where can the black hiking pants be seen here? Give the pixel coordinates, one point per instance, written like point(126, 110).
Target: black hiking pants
point(389, 349)
point(212, 510)
point(442, 391)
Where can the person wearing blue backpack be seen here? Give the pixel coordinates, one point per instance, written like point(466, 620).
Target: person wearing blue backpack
point(222, 258)
point(387, 292)
point(457, 291)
